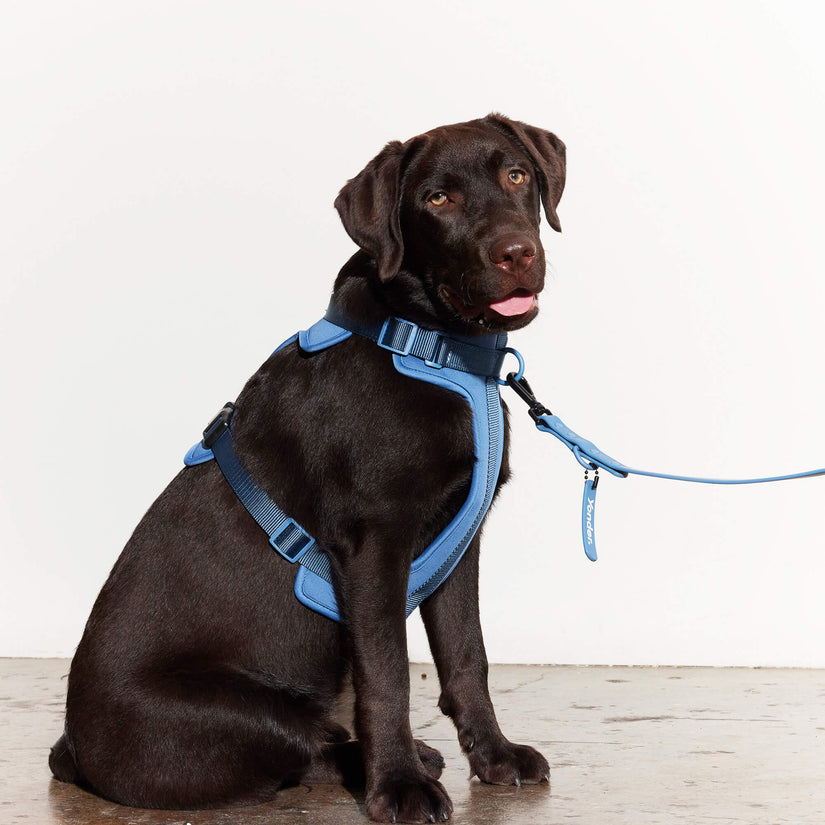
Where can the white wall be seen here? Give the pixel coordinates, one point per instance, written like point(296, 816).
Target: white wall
point(167, 172)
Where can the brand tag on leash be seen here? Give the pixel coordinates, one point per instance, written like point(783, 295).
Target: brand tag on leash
point(589, 515)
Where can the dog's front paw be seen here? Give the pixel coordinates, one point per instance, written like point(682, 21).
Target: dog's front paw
point(503, 763)
point(408, 797)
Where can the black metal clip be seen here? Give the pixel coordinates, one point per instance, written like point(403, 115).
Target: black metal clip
point(525, 392)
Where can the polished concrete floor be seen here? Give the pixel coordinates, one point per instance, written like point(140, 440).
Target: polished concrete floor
point(627, 746)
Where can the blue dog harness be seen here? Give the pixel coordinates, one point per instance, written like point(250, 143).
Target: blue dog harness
point(467, 366)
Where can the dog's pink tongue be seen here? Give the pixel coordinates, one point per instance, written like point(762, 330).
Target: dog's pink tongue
point(515, 305)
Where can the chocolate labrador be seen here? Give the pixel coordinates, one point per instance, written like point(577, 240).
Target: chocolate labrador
point(200, 680)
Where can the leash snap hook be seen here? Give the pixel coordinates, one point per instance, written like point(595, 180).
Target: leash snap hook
point(524, 391)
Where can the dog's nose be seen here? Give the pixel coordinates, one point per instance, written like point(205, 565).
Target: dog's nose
point(514, 253)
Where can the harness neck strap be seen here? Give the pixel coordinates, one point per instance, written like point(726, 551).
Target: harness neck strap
point(478, 356)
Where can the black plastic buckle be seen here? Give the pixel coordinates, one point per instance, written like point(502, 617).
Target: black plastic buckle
point(525, 392)
point(218, 425)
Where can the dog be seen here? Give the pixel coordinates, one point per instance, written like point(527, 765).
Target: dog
point(200, 680)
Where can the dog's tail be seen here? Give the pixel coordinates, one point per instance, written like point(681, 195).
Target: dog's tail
point(62, 762)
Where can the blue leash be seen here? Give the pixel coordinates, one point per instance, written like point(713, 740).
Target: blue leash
point(593, 459)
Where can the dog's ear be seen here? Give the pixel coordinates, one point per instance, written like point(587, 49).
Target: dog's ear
point(368, 206)
point(548, 155)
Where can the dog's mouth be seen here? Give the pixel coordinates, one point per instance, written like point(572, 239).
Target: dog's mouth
point(509, 310)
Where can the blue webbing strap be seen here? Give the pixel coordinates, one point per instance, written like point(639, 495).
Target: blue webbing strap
point(285, 534)
point(592, 458)
point(436, 349)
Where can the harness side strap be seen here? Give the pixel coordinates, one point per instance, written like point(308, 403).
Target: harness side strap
point(285, 534)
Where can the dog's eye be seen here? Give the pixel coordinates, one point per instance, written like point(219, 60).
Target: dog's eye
point(438, 199)
point(517, 176)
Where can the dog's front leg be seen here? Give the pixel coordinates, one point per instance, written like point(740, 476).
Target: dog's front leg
point(398, 785)
point(454, 630)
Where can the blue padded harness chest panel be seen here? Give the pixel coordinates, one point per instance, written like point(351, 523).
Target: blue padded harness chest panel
point(313, 585)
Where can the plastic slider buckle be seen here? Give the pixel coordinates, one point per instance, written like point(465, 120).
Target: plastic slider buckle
point(218, 425)
point(291, 541)
point(440, 356)
point(391, 335)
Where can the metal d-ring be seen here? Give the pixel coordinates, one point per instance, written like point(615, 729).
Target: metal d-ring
point(520, 373)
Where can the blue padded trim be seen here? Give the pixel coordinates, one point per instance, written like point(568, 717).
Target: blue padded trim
point(321, 335)
point(197, 454)
point(316, 593)
point(431, 568)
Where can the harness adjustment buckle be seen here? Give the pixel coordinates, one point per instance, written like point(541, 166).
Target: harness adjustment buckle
point(397, 336)
point(439, 357)
point(291, 540)
point(218, 425)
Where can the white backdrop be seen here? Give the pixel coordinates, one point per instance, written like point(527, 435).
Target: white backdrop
point(167, 172)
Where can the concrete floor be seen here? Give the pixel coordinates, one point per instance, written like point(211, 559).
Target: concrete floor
point(626, 745)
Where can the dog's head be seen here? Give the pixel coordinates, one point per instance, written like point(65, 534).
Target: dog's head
point(451, 221)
